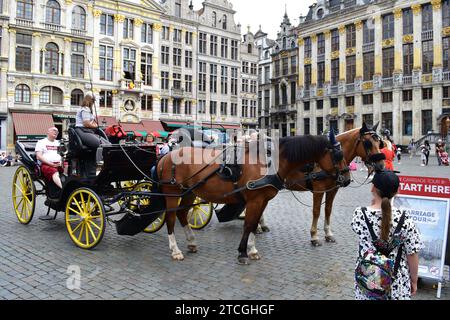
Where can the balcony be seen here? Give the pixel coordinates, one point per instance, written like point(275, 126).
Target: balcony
point(368, 47)
point(51, 26)
point(387, 82)
point(350, 87)
point(334, 89)
point(321, 57)
point(130, 85)
point(177, 92)
point(78, 32)
point(407, 80)
point(306, 94)
point(446, 76)
point(427, 35)
point(24, 22)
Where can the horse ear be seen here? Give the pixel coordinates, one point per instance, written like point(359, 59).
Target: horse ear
point(364, 128)
point(375, 127)
point(332, 137)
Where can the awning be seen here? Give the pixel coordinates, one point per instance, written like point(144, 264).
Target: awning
point(132, 126)
point(151, 126)
point(173, 125)
point(32, 125)
point(110, 121)
point(160, 134)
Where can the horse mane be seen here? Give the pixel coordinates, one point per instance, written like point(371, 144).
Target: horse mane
point(303, 148)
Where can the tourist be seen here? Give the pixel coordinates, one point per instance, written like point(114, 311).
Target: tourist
point(49, 158)
point(388, 151)
point(441, 154)
point(425, 153)
point(412, 148)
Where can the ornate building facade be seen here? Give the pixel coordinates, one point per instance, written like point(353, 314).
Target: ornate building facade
point(371, 61)
point(249, 81)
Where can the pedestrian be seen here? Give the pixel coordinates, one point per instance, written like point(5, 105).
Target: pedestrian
point(425, 153)
point(48, 157)
point(412, 148)
point(388, 151)
point(399, 154)
point(441, 154)
point(3, 160)
point(383, 220)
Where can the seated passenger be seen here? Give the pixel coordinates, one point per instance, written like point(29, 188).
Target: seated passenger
point(48, 157)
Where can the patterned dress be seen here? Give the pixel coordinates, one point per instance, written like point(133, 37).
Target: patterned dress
point(401, 288)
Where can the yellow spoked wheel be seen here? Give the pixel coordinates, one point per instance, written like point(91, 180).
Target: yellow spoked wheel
point(158, 223)
point(200, 215)
point(23, 195)
point(85, 218)
point(126, 185)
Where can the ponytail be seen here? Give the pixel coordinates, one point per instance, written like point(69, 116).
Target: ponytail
point(386, 219)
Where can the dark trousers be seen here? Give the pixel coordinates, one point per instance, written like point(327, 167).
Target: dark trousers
point(90, 138)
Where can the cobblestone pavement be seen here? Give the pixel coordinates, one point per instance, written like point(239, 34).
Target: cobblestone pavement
point(34, 259)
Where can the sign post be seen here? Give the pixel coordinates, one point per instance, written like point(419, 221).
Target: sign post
point(427, 200)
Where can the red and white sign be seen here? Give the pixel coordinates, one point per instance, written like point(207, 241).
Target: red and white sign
point(425, 187)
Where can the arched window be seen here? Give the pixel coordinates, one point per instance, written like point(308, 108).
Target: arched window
point(22, 93)
point(24, 9)
point(214, 19)
point(51, 58)
point(284, 43)
point(78, 18)
point(76, 97)
point(250, 48)
point(53, 12)
point(266, 55)
point(51, 95)
point(224, 22)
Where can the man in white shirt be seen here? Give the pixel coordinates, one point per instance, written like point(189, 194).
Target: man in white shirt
point(48, 157)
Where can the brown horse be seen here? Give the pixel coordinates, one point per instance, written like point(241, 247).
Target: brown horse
point(202, 179)
point(364, 143)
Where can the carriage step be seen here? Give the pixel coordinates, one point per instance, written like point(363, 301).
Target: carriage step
point(47, 218)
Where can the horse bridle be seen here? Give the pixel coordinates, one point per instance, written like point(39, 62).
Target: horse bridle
point(337, 155)
point(371, 159)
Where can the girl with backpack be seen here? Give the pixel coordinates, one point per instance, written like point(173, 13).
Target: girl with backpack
point(389, 242)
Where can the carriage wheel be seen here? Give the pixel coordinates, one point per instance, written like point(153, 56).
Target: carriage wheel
point(200, 215)
point(85, 218)
point(23, 195)
point(158, 223)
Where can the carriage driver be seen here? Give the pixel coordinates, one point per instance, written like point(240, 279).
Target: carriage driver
point(48, 157)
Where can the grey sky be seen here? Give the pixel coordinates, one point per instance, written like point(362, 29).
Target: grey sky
point(267, 13)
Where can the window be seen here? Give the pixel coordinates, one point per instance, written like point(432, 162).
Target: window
point(147, 68)
point(22, 94)
point(213, 78)
point(106, 62)
point(319, 122)
point(245, 108)
point(78, 18)
point(293, 92)
point(335, 40)
point(334, 103)
point(386, 97)
point(234, 50)
point(233, 111)
point(51, 58)
point(188, 83)
point(367, 99)
point(213, 46)
point(213, 107)
point(77, 63)
point(334, 72)
point(349, 101)
point(386, 121)
point(202, 77)
point(427, 17)
point(23, 52)
point(51, 95)
point(388, 26)
point(321, 44)
point(319, 105)
point(277, 67)
point(76, 97)
point(147, 33)
point(224, 22)
point(408, 21)
point(368, 119)
point(107, 24)
point(147, 103)
point(24, 9)
point(307, 76)
point(388, 62)
point(427, 56)
point(244, 85)
point(224, 80)
point(164, 105)
point(277, 94)
point(165, 55)
point(105, 99)
point(253, 109)
point(351, 36)
point(294, 64)
point(285, 63)
point(188, 107)
point(253, 69)
point(306, 105)
point(407, 123)
point(408, 59)
point(214, 19)
point(129, 63)
point(445, 13)
point(165, 33)
point(368, 31)
point(407, 95)
point(320, 74)
point(224, 48)
point(306, 125)
point(427, 121)
point(234, 81)
point(307, 48)
point(351, 69)
point(128, 28)
point(178, 8)
point(223, 108)
point(266, 74)
point(427, 93)
point(266, 99)
point(188, 59)
point(446, 53)
point(369, 66)
point(176, 106)
point(244, 67)
point(164, 80)
point(201, 106)
point(176, 35)
point(188, 38)
point(53, 12)
point(202, 43)
point(177, 57)
point(1, 30)
point(176, 81)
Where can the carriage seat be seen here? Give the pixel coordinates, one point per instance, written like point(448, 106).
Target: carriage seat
point(76, 144)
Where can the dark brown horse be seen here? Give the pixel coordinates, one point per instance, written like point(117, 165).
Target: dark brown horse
point(205, 183)
point(364, 143)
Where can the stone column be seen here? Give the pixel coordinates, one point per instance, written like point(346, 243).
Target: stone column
point(417, 112)
point(378, 51)
point(327, 35)
point(301, 63)
point(397, 116)
point(12, 50)
point(417, 67)
point(67, 57)
point(36, 54)
point(437, 40)
point(93, 50)
point(342, 59)
point(313, 65)
point(398, 47)
point(359, 54)
point(137, 37)
point(118, 19)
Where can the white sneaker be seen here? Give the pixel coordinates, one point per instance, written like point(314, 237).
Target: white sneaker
point(422, 165)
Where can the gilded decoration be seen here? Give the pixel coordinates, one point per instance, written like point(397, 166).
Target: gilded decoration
point(398, 13)
point(416, 8)
point(307, 60)
point(97, 13)
point(350, 51)
point(408, 38)
point(436, 4)
point(335, 54)
point(388, 43)
point(119, 18)
point(367, 85)
point(138, 22)
point(341, 29)
point(446, 31)
point(358, 25)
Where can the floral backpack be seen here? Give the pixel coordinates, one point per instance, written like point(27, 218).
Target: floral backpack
point(376, 272)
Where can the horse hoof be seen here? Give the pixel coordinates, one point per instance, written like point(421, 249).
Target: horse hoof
point(178, 257)
point(243, 261)
point(192, 249)
point(330, 239)
point(255, 256)
point(259, 230)
point(265, 229)
point(316, 243)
